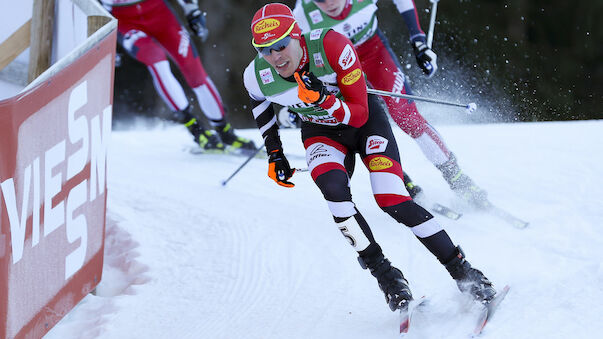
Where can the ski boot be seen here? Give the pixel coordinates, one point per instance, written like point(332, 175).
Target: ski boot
point(208, 141)
point(468, 279)
point(413, 190)
point(228, 137)
point(462, 185)
point(390, 279)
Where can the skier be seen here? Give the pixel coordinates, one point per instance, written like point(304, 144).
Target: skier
point(147, 30)
point(319, 76)
point(357, 20)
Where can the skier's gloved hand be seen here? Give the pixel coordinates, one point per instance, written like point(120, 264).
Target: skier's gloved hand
point(426, 58)
point(279, 169)
point(310, 89)
point(196, 21)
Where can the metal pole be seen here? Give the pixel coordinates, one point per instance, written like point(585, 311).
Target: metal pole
point(469, 107)
point(434, 9)
point(251, 156)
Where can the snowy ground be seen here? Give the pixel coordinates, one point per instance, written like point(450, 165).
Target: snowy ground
point(188, 258)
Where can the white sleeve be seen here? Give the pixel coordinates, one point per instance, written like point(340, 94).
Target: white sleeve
point(300, 17)
point(251, 83)
point(404, 5)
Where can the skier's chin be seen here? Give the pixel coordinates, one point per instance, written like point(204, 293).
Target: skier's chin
point(285, 70)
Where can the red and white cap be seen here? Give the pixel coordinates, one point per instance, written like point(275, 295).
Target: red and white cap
point(272, 23)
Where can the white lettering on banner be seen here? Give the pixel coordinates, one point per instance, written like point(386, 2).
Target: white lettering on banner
point(98, 152)
point(77, 228)
point(91, 143)
point(53, 216)
point(17, 225)
point(78, 130)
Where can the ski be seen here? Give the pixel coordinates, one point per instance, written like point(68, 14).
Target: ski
point(436, 207)
point(406, 314)
point(504, 215)
point(507, 217)
point(489, 310)
point(445, 211)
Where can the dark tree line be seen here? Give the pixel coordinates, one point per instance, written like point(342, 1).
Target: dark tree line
point(525, 60)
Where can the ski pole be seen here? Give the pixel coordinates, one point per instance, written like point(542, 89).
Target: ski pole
point(251, 156)
point(469, 107)
point(434, 9)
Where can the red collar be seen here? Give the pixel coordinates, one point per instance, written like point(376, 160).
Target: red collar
point(304, 59)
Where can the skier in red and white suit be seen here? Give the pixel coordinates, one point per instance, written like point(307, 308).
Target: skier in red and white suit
point(357, 20)
point(318, 76)
point(150, 32)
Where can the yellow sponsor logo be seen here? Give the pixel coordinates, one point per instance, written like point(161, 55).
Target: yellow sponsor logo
point(266, 25)
point(380, 163)
point(352, 77)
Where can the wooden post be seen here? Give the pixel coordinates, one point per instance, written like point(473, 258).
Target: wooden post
point(95, 22)
point(14, 45)
point(42, 23)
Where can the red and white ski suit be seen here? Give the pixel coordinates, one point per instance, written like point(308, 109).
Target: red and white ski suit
point(150, 32)
point(384, 72)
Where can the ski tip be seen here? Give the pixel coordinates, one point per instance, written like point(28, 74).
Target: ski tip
point(489, 310)
point(404, 327)
point(406, 314)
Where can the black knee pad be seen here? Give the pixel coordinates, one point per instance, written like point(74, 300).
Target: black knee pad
point(334, 186)
point(408, 213)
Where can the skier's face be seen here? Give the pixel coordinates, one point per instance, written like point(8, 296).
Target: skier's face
point(286, 60)
point(331, 7)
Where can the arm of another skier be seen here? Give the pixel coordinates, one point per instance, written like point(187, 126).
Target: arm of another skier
point(426, 58)
point(195, 18)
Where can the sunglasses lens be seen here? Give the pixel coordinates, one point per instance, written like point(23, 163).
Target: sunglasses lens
point(277, 46)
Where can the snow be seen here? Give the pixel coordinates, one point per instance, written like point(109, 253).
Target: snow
point(188, 258)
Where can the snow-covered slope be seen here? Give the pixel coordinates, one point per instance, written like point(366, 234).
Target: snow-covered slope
point(188, 258)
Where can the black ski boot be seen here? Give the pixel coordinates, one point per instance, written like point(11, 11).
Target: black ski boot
point(462, 185)
point(390, 280)
point(208, 141)
point(228, 137)
point(468, 279)
point(413, 190)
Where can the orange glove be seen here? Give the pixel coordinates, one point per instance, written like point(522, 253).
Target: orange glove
point(310, 89)
point(279, 169)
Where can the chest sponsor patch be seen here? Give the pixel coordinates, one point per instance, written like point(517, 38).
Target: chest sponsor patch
point(266, 76)
point(315, 34)
point(347, 58)
point(351, 77)
point(380, 163)
point(315, 16)
point(318, 60)
point(376, 144)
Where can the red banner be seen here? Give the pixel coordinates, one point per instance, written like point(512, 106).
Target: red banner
point(53, 177)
